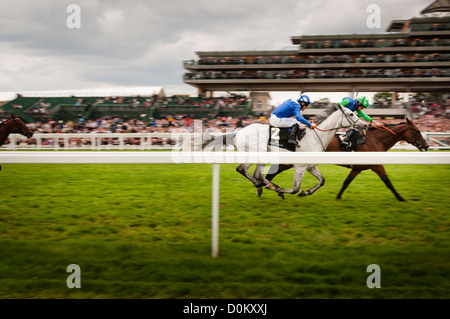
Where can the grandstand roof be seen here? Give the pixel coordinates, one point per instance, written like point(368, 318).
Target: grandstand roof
point(437, 6)
point(124, 91)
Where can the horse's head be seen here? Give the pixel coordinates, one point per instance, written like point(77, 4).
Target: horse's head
point(350, 119)
point(16, 125)
point(413, 136)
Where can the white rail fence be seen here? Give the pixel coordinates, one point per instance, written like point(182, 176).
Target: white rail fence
point(146, 141)
point(217, 158)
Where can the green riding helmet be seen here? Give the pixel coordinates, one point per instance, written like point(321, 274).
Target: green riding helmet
point(364, 101)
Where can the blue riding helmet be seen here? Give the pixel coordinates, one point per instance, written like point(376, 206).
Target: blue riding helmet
point(304, 98)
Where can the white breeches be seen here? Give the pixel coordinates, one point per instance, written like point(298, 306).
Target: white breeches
point(282, 122)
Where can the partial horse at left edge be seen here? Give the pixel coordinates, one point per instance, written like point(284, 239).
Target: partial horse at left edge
point(13, 125)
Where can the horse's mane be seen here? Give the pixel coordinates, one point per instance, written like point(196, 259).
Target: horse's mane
point(387, 125)
point(319, 118)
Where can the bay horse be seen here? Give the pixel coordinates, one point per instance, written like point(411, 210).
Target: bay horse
point(13, 125)
point(255, 138)
point(377, 140)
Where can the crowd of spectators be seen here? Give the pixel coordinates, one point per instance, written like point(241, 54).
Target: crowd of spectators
point(428, 116)
point(431, 116)
point(165, 124)
point(374, 43)
point(318, 74)
point(320, 59)
point(221, 102)
point(177, 101)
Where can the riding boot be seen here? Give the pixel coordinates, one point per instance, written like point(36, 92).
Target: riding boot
point(292, 137)
point(346, 143)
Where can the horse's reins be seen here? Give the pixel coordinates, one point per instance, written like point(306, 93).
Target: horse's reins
point(336, 128)
point(331, 129)
point(384, 128)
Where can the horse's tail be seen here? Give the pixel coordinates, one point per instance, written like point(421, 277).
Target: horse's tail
point(218, 142)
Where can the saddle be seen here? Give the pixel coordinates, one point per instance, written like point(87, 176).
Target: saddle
point(278, 136)
point(356, 139)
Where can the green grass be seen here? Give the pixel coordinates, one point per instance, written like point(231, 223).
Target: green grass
point(144, 231)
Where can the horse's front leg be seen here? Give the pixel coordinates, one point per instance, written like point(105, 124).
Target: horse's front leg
point(316, 173)
point(379, 169)
point(298, 177)
point(353, 173)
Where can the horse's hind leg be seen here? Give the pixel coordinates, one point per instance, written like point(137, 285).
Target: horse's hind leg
point(379, 169)
point(316, 173)
point(258, 174)
point(243, 169)
point(348, 180)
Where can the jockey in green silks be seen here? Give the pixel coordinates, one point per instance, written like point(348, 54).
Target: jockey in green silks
point(355, 105)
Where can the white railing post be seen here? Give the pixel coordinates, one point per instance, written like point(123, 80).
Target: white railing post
point(215, 210)
point(93, 139)
point(121, 143)
point(13, 142)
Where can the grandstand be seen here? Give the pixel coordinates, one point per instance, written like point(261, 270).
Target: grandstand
point(124, 103)
point(70, 105)
point(411, 56)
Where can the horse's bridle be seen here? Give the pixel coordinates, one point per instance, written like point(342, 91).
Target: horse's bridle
point(414, 131)
point(340, 108)
point(418, 143)
point(348, 119)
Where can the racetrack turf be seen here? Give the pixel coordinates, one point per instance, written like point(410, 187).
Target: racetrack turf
point(144, 231)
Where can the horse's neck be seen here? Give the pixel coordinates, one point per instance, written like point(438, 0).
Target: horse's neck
point(388, 140)
point(4, 132)
point(329, 127)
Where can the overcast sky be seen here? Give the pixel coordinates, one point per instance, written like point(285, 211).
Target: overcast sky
point(125, 43)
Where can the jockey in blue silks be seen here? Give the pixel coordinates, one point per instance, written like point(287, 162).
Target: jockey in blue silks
point(288, 114)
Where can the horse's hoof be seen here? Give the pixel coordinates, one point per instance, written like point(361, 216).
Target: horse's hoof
point(259, 191)
point(301, 194)
point(281, 195)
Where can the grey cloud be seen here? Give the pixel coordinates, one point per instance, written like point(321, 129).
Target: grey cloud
point(142, 42)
